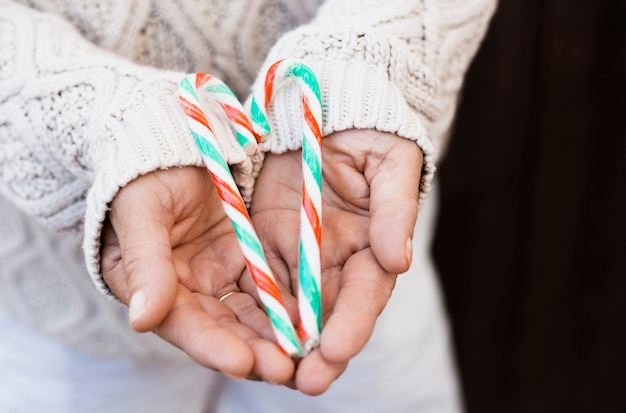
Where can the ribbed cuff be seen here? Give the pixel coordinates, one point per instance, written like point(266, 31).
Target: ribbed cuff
point(355, 95)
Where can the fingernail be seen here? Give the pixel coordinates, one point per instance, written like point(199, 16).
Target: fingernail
point(137, 305)
point(408, 250)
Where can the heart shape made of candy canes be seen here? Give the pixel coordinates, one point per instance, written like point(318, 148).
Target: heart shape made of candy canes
point(249, 130)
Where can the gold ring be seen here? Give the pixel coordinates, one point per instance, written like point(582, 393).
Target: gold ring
point(225, 296)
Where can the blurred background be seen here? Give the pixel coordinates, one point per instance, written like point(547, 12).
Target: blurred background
point(531, 242)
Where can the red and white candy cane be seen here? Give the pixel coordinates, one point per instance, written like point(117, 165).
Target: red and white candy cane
point(235, 208)
point(309, 277)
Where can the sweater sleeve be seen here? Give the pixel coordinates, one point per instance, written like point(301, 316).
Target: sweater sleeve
point(78, 123)
point(396, 66)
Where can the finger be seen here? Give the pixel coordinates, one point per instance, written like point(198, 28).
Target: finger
point(275, 213)
point(196, 331)
point(275, 210)
point(150, 281)
point(111, 263)
point(280, 175)
point(271, 364)
point(250, 314)
point(363, 293)
point(393, 205)
point(278, 233)
point(344, 185)
point(315, 374)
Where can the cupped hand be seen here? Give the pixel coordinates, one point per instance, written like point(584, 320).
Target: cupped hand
point(170, 253)
point(369, 196)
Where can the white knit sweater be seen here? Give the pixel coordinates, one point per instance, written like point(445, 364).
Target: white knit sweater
point(88, 102)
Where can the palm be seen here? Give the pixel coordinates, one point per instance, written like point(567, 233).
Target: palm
point(359, 261)
point(170, 238)
point(276, 219)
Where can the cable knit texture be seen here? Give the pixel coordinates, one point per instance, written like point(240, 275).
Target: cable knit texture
point(88, 102)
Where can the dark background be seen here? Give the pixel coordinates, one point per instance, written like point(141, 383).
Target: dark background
point(531, 242)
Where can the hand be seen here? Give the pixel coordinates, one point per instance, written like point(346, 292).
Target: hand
point(370, 192)
point(170, 252)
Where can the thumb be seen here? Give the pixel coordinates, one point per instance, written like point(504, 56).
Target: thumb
point(394, 192)
point(149, 280)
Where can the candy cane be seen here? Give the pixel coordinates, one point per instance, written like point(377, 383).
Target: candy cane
point(309, 291)
point(234, 111)
point(235, 208)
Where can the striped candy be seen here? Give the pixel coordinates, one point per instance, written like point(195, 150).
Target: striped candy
point(231, 199)
point(309, 292)
point(234, 111)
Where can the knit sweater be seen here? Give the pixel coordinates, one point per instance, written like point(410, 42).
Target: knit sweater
point(88, 102)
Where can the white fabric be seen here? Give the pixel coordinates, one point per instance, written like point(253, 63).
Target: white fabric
point(39, 374)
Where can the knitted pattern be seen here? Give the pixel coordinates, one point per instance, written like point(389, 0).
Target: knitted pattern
point(88, 102)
